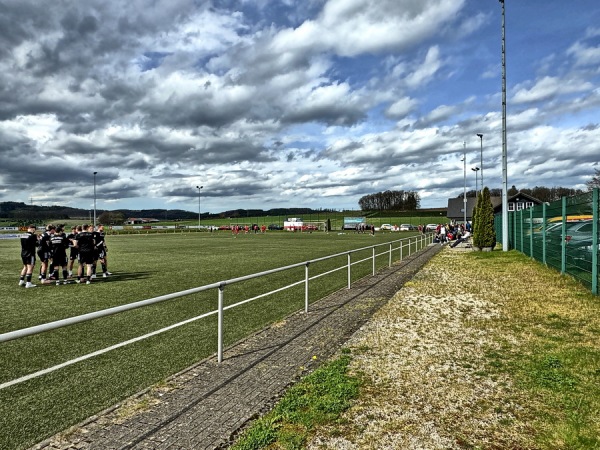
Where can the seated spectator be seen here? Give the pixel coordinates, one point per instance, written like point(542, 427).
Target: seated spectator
point(462, 238)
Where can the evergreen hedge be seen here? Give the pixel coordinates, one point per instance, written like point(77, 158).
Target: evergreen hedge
point(484, 233)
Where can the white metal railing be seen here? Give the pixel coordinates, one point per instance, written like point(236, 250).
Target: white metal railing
point(418, 241)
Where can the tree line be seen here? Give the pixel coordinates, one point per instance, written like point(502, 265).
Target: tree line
point(542, 193)
point(390, 201)
point(545, 194)
point(23, 213)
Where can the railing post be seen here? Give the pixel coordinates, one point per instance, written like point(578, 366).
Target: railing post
point(595, 208)
point(401, 245)
point(373, 261)
point(390, 260)
point(349, 273)
point(563, 260)
point(220, 325)
point(306, 278)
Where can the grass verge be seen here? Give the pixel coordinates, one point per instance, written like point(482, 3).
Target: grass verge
point(317, 400)
point(479, 351)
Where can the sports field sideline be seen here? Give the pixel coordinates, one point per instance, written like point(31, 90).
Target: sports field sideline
point(145, 266)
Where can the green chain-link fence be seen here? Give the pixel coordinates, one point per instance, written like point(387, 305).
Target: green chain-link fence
point(561, 234)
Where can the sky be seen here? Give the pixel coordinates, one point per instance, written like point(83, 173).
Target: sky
point(291, 103)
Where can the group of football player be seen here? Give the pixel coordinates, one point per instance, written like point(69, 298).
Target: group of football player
point(85, 244)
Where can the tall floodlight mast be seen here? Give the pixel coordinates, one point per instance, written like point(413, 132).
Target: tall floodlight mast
point(504, 157)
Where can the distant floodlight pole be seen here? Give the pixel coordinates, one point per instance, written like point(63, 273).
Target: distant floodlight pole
point(95, 199)
point(504, 157)
point(481, 158)
point(475, 169)
point(199, 217)
point(465, 183)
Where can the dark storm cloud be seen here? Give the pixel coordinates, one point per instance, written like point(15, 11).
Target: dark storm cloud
point(238, 183)
point(209, 150)
point(332, 114)
point(222, 152)
point(49, 171)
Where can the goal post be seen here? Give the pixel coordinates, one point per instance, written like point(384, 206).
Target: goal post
point(314, 226)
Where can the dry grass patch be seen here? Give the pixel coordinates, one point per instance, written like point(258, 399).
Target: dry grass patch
point(478, 351)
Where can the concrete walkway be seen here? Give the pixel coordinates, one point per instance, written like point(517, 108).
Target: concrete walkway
point(206, 406)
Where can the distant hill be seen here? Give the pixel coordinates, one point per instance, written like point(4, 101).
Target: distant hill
point(21, 213)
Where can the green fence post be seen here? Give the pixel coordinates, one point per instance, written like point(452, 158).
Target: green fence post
point(531, 232)
point(521, 230)
point(544, 233)
point(595, 248)
point(515, 229)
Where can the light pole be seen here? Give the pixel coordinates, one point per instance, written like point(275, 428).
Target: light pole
point(475, 169)
point(504, 157)
point(95, 199)
point(199, 190)
point(465, 183)
point(481, 158)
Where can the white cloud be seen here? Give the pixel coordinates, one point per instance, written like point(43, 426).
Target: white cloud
point(401, 108)
point(312, 103)
point(549, 87)
point(423, 74)
point(585, 55)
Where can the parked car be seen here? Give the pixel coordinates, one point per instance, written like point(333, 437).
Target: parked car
point(575, 233)
point(275, 227)
point(431, 227)
point(580, 254)
point(406, 227)
point(386, 226)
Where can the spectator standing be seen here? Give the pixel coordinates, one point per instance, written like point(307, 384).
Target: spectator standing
point(442, 234)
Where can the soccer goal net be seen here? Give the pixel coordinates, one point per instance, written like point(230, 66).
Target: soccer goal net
point(314, 226)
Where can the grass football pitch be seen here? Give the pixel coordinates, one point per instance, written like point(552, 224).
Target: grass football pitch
point(146, 266)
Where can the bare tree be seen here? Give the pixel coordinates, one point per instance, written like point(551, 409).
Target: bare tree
point(594, 182)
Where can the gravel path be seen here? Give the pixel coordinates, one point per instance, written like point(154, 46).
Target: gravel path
point(423, 356)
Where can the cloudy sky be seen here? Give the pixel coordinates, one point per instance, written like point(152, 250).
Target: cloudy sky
point(291, 103)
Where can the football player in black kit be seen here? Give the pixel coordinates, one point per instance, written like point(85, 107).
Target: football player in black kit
point(28, 245)
point(60, 244)
point(73, 254)
point(86, 245)
point(45, 251)
point(102, 251)
point(97, 242)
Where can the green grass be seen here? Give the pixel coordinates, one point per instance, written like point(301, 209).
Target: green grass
point(555, 360)
point(318, 399)
point(146, 266)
